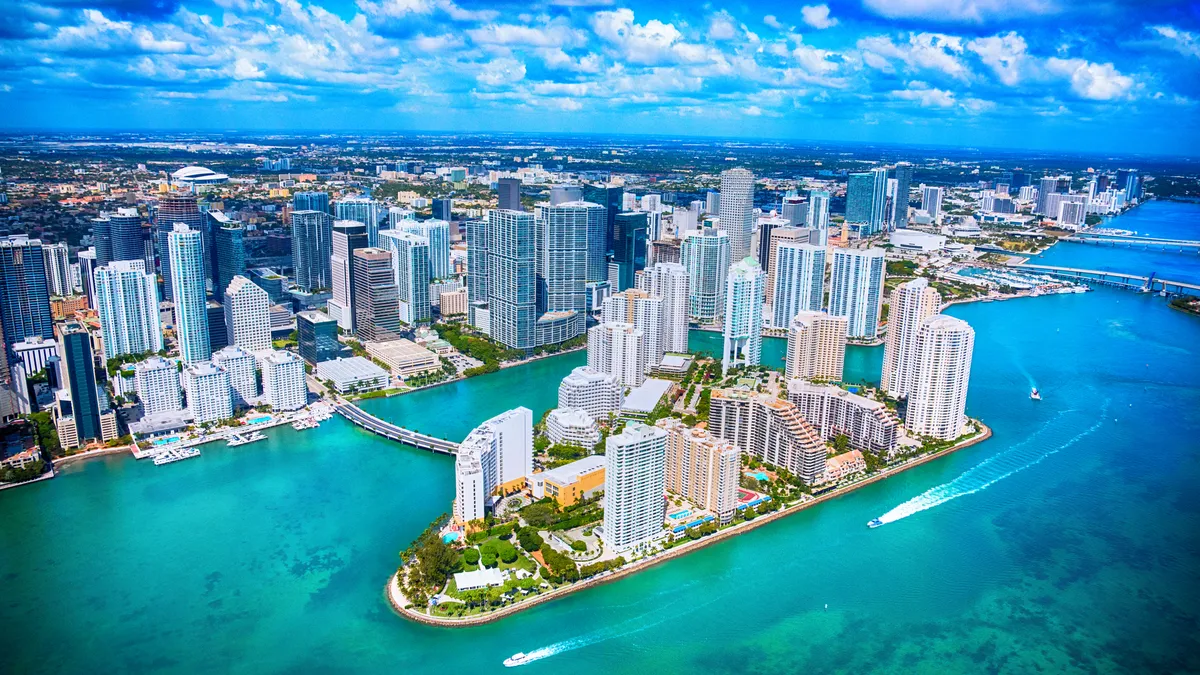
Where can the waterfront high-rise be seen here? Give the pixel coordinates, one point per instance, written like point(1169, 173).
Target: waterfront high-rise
point(318, 337)
point(186, 256)
point(818, 216)
point(702, 468)
point(410, 268)
point(79, 371)
point(833, 411)
point(512, 278)
point(477, 266)
point(508, 194)
point(911, 303)
point(470, 496)
point(634, 483)
point(312, 247)
point(629, 247)
point(736, 210)
point(361, 209)
point(284, 386)
point(743, 315)
point(619, 349)
point(669, 281)
point(938, 399)
point(856, 289)
point(127, 303)
point(247, 315)
point(644, 312)
point(799, 277)
point(208, 392)
point(242, 373)
point(24, 296)
point(311, 201)
point(157, 383)
point(376, 303)
point(816, 346)
point(495, 458)
point(569, 217)
point(438, 234)
point(705, 255)
point(782, 235)
point(228, 251)
point(904, 175)
point(173, 207)
point(866, 200)
point(347, 237)
point(770, 429)
point(58, 270)
point(596, 392)
point(561, 269)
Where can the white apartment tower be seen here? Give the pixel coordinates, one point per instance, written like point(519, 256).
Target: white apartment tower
point(248, 315)
point(911, 303)
point(157, 382)
point(705, 255)
point(503, 447)
point(186, 257)
point(470, 494)
point(938, 401)
point(208, 392)
point(241, 371)
point(644, 312)
point(816, 347)
point(127, 302)
point(634, 485)
point(58, 269)
point(743, 315)
point(620, 350)
point(856, 289)
point(284, 386)
point(669, 281)
point(595, 392)
point(799, 274)
point(736, 208)
point(817, 217)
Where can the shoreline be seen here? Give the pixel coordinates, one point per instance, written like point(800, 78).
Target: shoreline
point(399, 603)
point(90, 454)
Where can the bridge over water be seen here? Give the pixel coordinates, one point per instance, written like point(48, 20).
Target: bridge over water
point(1134, 241)
point(1135, 282)
point(364, 420)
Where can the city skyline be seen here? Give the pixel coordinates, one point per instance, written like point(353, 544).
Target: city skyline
point(901, 72)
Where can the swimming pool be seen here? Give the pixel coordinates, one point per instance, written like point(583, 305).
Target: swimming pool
point(451, 537)
point(679, 515)
point(167, 441)
point(259, 420)
point(760, 476)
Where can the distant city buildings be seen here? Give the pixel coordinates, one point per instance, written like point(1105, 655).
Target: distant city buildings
point(736, 210)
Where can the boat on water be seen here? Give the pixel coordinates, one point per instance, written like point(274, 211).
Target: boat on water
point(516, 659)
point(1035, 394)
point(875, 522)
point(175, 455)
point(242, 439)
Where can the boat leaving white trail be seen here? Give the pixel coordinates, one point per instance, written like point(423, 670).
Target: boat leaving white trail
point(987, 473)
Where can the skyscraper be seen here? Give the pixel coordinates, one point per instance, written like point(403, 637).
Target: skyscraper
point(620, 350)
point(634, 482)
point(702, 468)
point(125, 232)
point(311, 201)
point(911, 303)
point(284, 387)
point(904, 175)
point(816, 346)
point(347, 237)
point(570, 214)
point(705, 255)
point(770, 429)
point(938, 400)
point(79, 368)
point(767, 227)
point(561, 268)
point(795, 211)
point(157, 382)
point(608, 196)
point(818, 215)
point(376, 306)
point(87, 273)
point(127, 302)
point(442, 209)
point(856, 289)
point(743, 315)
point(58, 269)
point(782, 235)
point(669, 281)
point(438, 234)
point(644, 312)
point(508, 194)
point(173, 207)
point(737, 210)
point(866, 200)
point(410, 268)
point(312, 246)
point(242, 371)
point(228, 251)
point(362, 209)
point(209, 395)
point(1047, 186)
point(24, 296)
point(185, 251)
point(247, 315)
point(512, 278)
point(477, 266)
point(799, 282)
point(318, 336)
point(931, 201)
point(629, 246)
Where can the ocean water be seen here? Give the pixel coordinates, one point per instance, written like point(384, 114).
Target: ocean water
point(1069, 542)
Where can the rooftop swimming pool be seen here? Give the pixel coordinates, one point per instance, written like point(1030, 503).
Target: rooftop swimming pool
point(167, 441)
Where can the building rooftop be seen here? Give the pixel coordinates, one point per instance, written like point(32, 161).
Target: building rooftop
point(643, 399)
point(572, 417)
point(353, 368)
point(569, 473)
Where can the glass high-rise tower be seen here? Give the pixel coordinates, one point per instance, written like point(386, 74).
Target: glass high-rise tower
point(186, 254)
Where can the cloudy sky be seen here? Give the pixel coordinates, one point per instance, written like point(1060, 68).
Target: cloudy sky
point(1101, 75)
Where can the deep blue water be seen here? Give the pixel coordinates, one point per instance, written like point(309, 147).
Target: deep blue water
point(1070, 542)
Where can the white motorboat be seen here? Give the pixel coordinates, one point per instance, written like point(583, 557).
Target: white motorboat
point(516, 659)
point(1035, 394)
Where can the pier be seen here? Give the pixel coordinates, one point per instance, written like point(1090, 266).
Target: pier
point(362, 419)
point(1150, 284)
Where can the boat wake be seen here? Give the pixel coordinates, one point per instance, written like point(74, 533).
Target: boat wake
point(987, 473)
point(628, 627)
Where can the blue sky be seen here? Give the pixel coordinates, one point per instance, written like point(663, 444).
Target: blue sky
point(1061, 74)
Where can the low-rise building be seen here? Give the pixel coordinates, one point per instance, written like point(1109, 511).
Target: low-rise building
point(642, 400)
point(845, 464)
point(454, 302)
point(570, 483)
point(355, 374)
point(404, 357)
point(572, 426)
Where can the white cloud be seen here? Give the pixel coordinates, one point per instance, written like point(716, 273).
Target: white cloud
point(650, 43)
point(817, 16)
point(924, 51)
point(1181, 41)
point(771, 21)
point(1096, 81)
point(977, 11)
point(243, 69)
point(551, 34)
point(720, 27)
point(926, 96)
point(1004, 54)
point(502, 71)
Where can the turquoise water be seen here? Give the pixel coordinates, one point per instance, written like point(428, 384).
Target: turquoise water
point(863, 364)
point(1067, 543)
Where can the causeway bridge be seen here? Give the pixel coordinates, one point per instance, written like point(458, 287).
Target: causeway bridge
point(362, 419)
point(1133, 241)
point(1150, 284)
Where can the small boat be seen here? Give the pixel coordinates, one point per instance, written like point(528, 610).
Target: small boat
point(238, 439)
point(875, 522)
point(516, 659)
point(1035, 394)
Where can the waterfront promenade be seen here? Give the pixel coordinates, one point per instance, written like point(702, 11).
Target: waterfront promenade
point(402, 607)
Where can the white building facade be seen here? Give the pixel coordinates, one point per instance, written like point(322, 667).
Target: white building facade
point(127, 302)
point(856, 289)
point(743, 315)
point(634, 486)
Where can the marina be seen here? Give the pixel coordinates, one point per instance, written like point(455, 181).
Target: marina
point(175, 455)
point(242, 439)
